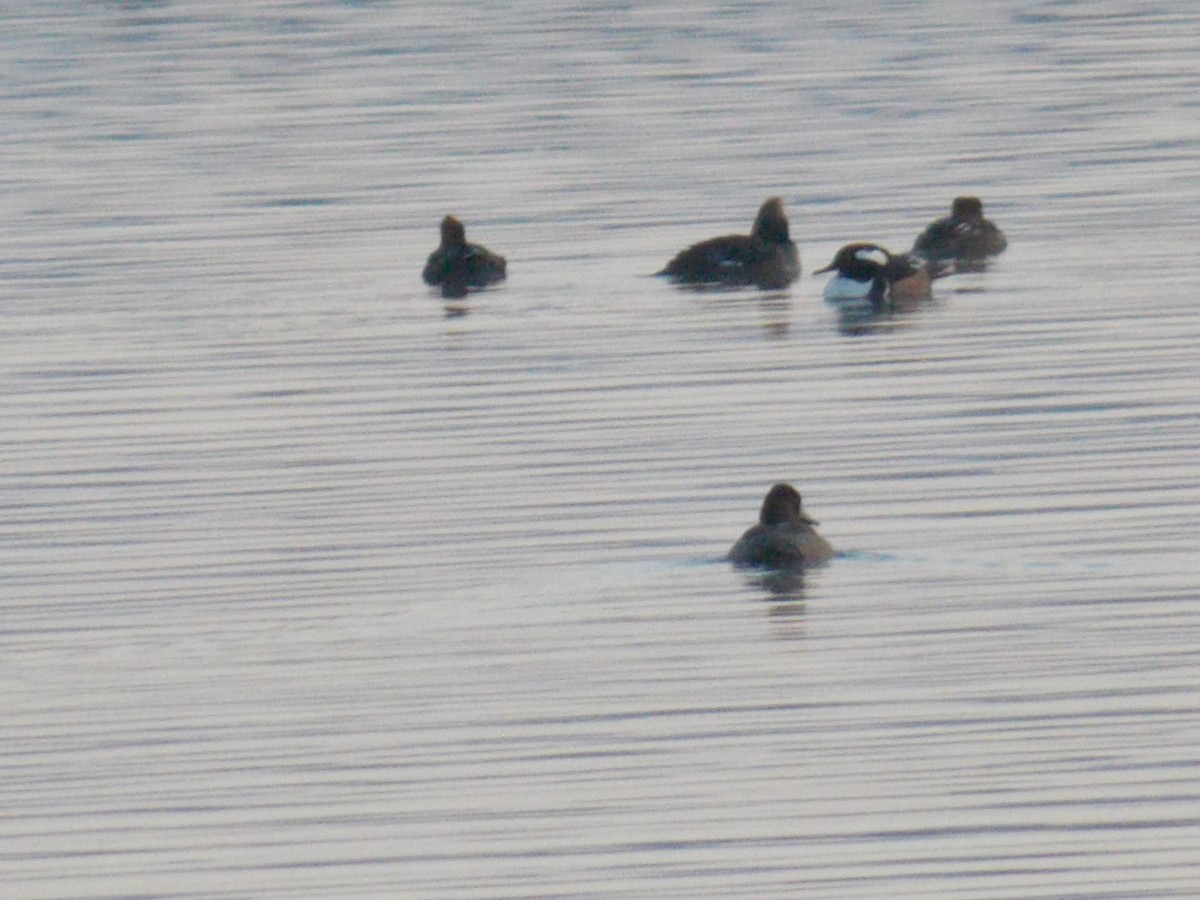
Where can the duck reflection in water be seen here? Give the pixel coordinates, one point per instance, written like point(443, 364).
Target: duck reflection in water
point(784, 589)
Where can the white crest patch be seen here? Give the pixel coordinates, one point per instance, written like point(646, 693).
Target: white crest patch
point(872, 254)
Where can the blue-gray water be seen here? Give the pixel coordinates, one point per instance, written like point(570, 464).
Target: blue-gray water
point(312, 587)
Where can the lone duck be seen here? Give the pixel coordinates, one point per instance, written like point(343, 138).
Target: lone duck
point(766, 258)
point(964, 236)
point(784, 537)
point(457, 265)
point(871, 279)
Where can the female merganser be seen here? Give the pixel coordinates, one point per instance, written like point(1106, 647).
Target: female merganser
point(457, 265)
point(964, 236)
point(766, 258)
point(784, 537)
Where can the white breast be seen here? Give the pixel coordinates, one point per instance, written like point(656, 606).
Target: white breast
point(841, 289)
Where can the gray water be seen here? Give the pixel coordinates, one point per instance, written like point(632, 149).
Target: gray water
point(313, 586)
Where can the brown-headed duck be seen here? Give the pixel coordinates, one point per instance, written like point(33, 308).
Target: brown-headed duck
point(784, 537)
point(964, 236)
point(457, 265)
point(766, 258)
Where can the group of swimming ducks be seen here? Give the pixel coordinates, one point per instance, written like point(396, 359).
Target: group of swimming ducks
point(868, 279)
point(867, 275)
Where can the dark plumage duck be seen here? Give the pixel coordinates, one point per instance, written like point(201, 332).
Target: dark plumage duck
point(766, 258)
point(872, 279)
point(964, 236)
point(457, 265)
point(784, 537)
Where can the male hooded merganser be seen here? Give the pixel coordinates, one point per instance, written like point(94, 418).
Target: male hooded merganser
point(869, 274)
point(457, 265)
point(964, 236)
point(766, 258)
point(784, 537)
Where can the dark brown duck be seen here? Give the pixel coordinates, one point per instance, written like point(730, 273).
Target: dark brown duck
point(766, 258)
point(964, 236)
point(784, 537)
point(456, 266)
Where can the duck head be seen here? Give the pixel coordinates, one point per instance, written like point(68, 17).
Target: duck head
point(771, 225)
point(858, 261)
point(966, 208)
point(453, 233)
point(781, 506)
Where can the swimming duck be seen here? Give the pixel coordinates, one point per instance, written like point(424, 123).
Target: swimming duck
point(766, 258)
point(784, 537)
point(457, 265)
point(870, 276)
point(964, 236)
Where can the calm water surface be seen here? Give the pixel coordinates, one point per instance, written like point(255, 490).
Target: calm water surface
point(314, 587)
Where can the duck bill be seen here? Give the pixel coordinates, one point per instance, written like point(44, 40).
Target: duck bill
point(828, 268)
